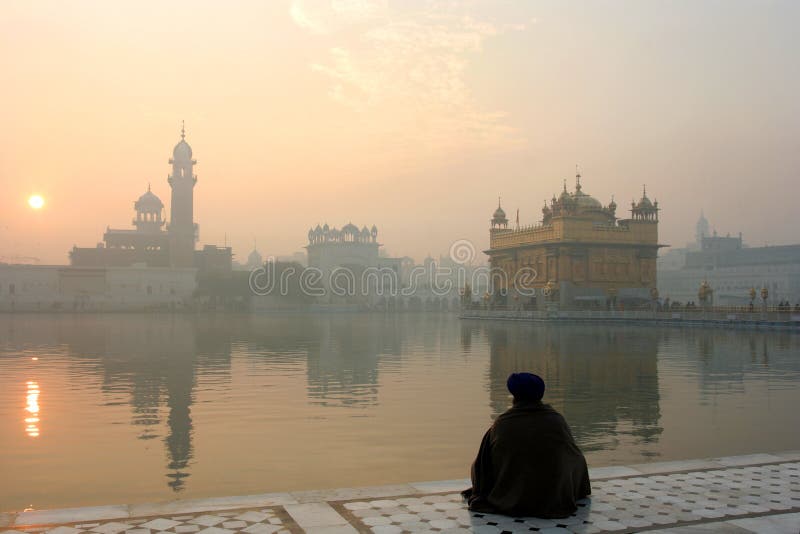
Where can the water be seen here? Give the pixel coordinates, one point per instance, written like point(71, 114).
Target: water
point(102, 409)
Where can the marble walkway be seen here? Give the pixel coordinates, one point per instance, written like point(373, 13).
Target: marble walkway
point(737, 494)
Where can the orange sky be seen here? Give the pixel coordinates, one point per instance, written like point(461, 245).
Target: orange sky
point(411, 115)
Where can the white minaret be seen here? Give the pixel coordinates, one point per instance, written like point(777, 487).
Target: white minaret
point(701, 230)
point(182, 235)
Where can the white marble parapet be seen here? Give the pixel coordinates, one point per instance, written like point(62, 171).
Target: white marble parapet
point(738, 494)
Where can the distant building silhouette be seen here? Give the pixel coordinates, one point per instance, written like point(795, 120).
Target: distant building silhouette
point(732, 269)
point(182, 229)
point(343, 256)
point(149, 243)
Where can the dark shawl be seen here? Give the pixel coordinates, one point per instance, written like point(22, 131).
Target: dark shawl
point(528, 465)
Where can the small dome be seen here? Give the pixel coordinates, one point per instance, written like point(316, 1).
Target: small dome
point(582, 200)
point(350, 228)
point(255, 258)
point(645, 202)
point(499, 214)
point(149, 202)
point(182, 151)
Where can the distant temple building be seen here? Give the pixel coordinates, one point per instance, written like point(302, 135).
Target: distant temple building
point(581, 253)
point(351, 252)
point(731, 269)
point(328, 247)
point(149, 243)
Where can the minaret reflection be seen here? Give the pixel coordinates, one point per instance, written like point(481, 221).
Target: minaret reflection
point(156, 361)
point(604, 380)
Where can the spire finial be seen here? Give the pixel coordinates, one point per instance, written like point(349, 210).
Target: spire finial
point(183, 130)
point(565, 185)
point(644, 190)
point(577, 178)
point(148, 187)
point(498, 201)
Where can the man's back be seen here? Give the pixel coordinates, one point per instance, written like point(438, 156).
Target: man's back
point(529, 464)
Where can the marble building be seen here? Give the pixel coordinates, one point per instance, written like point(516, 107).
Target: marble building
point(345, 257)
point(154, 242)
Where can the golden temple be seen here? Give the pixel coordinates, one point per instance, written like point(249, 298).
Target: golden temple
point(580, 255)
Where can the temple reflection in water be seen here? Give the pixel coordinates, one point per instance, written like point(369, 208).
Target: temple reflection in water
point(156, 362)
point(609, 381)
point(235, 404)
point(603, 380)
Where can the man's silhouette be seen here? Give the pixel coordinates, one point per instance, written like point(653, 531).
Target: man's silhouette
point(528, 463)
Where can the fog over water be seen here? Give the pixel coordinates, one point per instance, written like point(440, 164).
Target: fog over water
point(99, 409)
point(413, 115)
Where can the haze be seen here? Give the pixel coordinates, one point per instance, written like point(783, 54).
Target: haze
point(411, 115)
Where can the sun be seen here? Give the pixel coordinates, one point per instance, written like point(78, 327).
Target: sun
point(36, 202)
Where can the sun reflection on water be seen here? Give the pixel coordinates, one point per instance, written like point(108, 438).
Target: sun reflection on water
point(32, 407)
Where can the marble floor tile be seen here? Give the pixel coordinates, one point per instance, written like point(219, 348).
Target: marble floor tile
point(160, 524)
point(215, 530)
point(754, 493)
point(70, 515)
point(776, 524)
point(111, 528)
point(442, 486)
point(314, 515)
point(186, 529)
point(335, 529)
point(260, 528)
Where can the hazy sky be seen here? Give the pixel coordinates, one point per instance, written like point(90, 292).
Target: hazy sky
point(413, 115)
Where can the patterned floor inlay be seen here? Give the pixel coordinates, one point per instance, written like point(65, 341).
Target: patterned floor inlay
point(267, 520)
point(739, 495)
point(618, 505)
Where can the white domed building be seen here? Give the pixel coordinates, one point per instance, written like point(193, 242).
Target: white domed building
point(346, 257)
point(152, 242)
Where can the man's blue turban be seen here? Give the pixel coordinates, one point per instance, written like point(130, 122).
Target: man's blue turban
point(525, 386)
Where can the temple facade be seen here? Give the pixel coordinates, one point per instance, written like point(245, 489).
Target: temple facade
point(152, 242)
point(580, 255)
point(345, 259)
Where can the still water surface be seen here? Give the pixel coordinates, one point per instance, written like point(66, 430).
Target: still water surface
point(101, 409)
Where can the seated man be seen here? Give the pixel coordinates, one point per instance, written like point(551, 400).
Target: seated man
point(528, 463)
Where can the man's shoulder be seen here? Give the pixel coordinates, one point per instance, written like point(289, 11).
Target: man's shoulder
point(537, 409)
